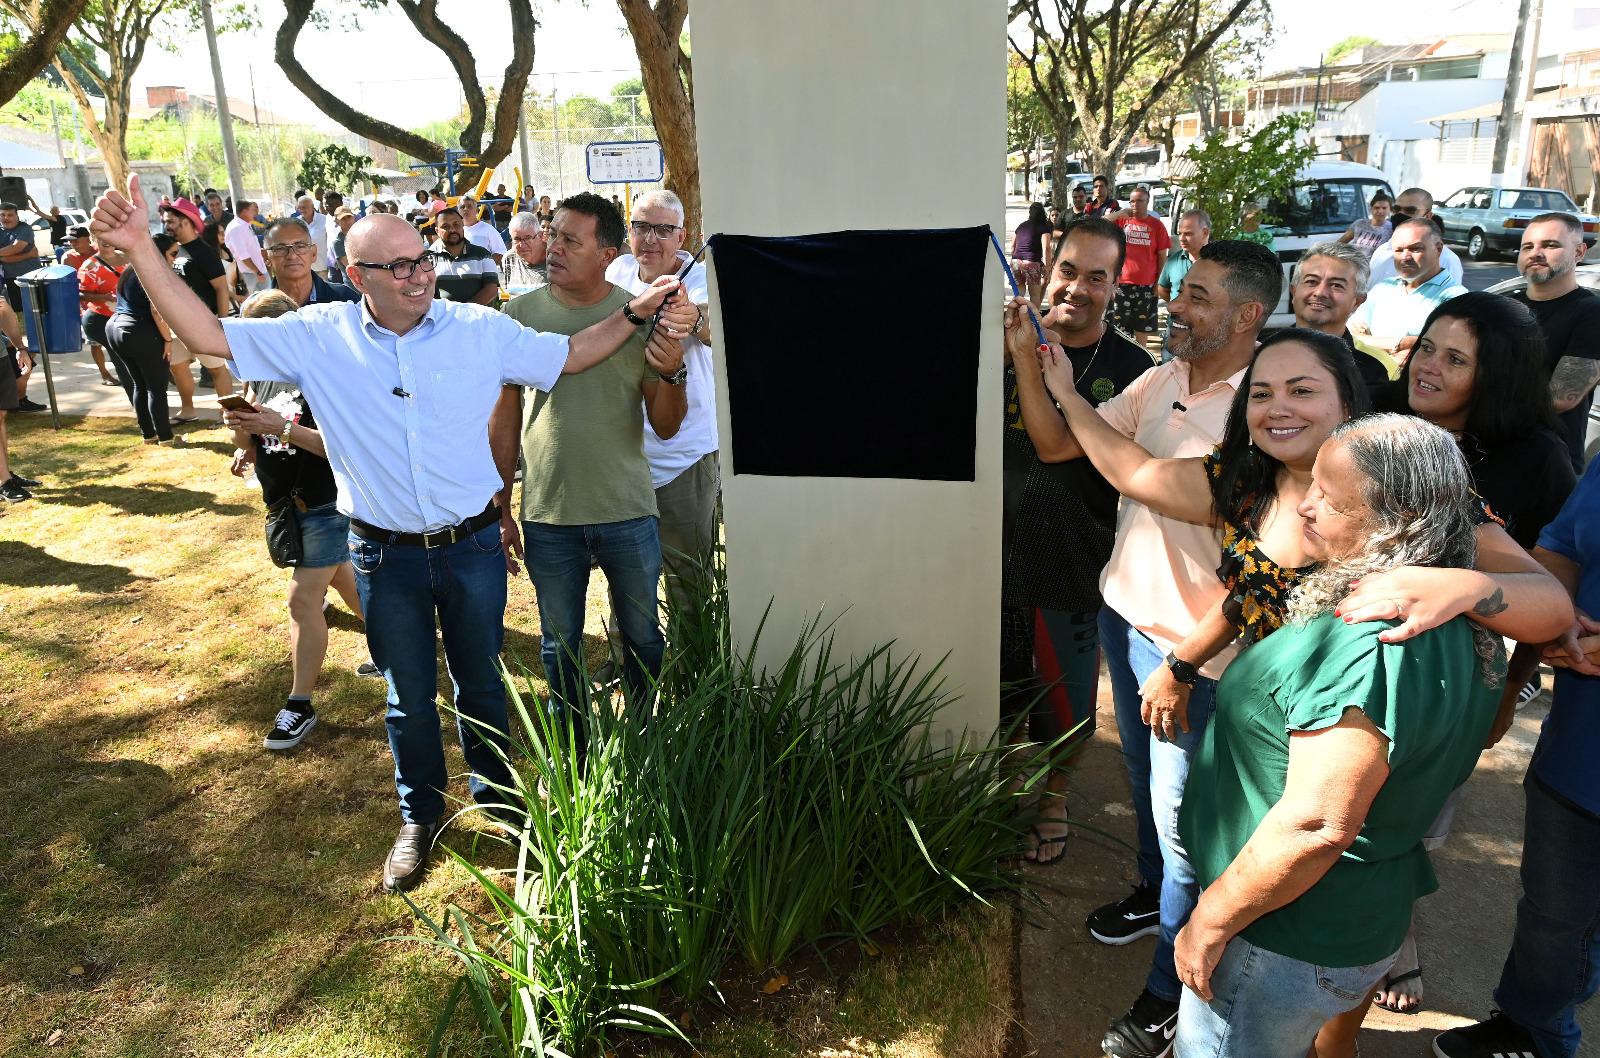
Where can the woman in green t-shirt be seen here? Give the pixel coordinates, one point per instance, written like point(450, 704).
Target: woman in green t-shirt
point(1330, 753)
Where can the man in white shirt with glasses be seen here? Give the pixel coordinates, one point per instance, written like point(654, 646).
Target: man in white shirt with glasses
point(404, 385)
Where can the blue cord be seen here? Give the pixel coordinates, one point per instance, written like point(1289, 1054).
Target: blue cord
point(1014, 289)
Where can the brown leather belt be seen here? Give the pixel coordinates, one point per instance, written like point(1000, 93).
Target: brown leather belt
point(437, 538)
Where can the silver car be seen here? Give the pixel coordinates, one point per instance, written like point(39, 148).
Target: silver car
point(1491, 219)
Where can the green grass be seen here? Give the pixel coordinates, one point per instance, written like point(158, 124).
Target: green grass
point(219, 899)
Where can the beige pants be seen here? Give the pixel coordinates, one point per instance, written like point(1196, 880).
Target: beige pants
point(181, 355)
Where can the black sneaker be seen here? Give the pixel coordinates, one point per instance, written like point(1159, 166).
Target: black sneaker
point(1499, 1037)
point(1146, 1031)
point(293, 723)
point(27, 483)
point(369, 669)
point(1136, 915)
point(12, 492)
point(24, 404)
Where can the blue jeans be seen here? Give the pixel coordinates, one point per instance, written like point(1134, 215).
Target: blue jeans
point(401, 589)
point(1266, 1005)
point(1555, 953)
point(1157, 772)
point(559, 558)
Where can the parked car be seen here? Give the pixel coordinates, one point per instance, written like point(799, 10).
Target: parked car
point(1327, 198)
point(1588, 278)
point(1490, 219)
point(1160, 197)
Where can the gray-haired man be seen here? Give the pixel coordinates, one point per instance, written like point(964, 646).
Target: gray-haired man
point(1330, 283)
point(683, 468)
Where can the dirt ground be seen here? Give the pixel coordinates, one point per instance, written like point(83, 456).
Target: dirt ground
point(1073, 987)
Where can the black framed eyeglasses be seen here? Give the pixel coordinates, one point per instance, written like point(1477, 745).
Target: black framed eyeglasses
point(403, 269)
point(662, 231)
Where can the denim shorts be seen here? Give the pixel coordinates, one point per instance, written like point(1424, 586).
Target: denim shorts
point(324, 537)
point(1266, 1005)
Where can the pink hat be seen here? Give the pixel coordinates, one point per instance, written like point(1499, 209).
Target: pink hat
point(187, 209)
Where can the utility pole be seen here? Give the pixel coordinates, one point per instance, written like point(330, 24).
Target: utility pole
point(255, 112)
point(1508, 99)
point(522, 137)
point(230, 152)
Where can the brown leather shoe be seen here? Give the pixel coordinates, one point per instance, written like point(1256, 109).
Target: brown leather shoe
point(408, 859)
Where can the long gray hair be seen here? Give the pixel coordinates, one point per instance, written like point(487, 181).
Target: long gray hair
point(1420, 494)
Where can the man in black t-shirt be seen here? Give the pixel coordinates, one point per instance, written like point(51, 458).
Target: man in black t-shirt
point(1569, 315)
point(203, 272)
point(1060, 515)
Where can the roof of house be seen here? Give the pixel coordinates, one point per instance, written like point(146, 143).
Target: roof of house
point(1485, 112)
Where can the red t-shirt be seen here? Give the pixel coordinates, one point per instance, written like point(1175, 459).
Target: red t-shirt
point(97, 277)
point(1145, 237)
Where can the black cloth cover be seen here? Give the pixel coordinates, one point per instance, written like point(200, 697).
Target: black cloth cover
point(830, 374)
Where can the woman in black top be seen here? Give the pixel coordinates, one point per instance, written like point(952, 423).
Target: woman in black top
point(138, 337)
point(1478, 371)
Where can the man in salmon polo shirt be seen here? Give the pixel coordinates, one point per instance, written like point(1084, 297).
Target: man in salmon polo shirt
point(1160, 581)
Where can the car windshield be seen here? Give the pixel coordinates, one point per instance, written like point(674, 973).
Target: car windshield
point(1533, 198)
point(1323, 206)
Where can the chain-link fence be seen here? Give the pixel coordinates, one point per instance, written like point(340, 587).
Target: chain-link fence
point(557, 164)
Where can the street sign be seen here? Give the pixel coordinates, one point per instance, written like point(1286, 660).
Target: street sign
point(630, 162)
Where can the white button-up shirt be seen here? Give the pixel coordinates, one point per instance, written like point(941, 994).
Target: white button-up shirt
point(412, 463)
point(242, 242)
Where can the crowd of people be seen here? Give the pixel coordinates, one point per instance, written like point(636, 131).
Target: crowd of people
point(1302, 555)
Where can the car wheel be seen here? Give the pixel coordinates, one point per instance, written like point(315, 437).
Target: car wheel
point(1477, 245)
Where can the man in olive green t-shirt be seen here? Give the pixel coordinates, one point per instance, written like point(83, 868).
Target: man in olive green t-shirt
point(586, 489)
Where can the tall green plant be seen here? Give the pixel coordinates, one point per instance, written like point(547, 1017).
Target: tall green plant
point(740, 813)
point(1229, 178)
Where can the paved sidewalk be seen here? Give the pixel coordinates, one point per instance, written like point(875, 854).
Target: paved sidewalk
point(79, 392)
point(1073, 987)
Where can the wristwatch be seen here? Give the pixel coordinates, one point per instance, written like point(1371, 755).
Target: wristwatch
point(678, 377)
point(627, 310)
point(1182, 671)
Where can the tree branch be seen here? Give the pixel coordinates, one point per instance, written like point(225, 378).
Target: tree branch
point(55, 19)
point(424, 16)
point(296, 12)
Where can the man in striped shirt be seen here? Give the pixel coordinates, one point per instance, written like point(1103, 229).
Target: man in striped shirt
point(466, 271)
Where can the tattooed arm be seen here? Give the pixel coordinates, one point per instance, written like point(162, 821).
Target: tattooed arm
point(1571, 381)
point(1509, 593)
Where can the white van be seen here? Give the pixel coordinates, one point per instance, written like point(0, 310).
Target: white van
point(1327, 199)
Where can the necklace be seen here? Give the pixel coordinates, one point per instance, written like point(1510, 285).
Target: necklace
point(1104, 327)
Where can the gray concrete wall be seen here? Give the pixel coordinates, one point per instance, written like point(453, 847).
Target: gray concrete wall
point(834, 115)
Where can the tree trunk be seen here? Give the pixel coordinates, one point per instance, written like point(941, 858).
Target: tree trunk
point(55, 18)
point(1060, 195)
point(669, 86)
point(110, 138)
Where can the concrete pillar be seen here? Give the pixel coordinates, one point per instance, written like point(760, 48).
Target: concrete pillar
point(834, 115)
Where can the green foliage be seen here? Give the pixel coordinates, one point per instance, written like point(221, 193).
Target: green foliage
point(1026, 117)
point(1228, 179)
point(1346, 46)
point(335, 167)
point(269, 154)
point(758, 812)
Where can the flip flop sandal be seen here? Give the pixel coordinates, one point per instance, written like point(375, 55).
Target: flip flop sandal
point(110, 382)
point(184, 421)
point(1041, 841)
point(1390, 982)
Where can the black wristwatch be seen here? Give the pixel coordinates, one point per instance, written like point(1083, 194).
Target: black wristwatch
point(677, 377)
point(627, 310)
point(1182, 671)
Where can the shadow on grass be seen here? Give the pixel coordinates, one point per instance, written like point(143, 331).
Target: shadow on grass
point(28, 566)
point(154, 498)
point(233, 889)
